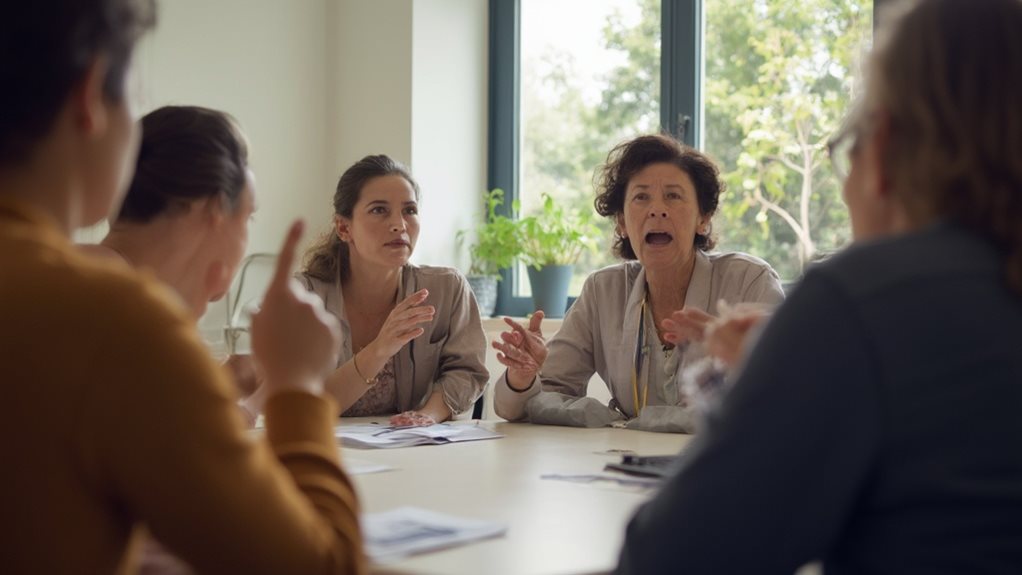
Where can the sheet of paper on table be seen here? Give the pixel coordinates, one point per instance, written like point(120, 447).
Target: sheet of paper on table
point(370, 436)
point(354, 466)
point(392, 535)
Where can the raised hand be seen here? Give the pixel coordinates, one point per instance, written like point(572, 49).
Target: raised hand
point(686, 325)
point(294, 340)
point(403, 324)
point(726, 336)
point(523, 350)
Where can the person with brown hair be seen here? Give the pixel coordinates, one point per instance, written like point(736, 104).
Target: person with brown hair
point(875, 425)
point(413, 342)
point(661, 196)
point(118, 420)
point(185, 216)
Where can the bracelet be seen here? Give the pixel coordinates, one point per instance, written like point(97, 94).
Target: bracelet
point(358, 372)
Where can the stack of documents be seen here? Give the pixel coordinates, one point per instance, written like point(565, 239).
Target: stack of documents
point(404, 531)
point(371, 436)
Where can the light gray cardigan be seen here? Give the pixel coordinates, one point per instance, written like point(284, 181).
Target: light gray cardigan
point(451, 352)
point(599, 334)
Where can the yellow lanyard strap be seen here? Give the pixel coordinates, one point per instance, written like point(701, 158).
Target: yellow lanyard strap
point(640, 342)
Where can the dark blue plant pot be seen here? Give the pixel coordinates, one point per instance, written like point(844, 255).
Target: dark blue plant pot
point(550, 288)
point(485, 290)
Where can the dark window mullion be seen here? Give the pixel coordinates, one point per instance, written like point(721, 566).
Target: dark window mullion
point(504, 124)
point(680, 65)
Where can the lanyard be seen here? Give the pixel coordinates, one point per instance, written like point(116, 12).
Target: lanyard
point(640, 350)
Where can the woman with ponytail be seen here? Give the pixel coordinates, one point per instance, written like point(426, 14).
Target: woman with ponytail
point(413, 343)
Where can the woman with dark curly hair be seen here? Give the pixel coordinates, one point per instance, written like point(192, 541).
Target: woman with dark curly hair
point(413, 344)
point(661, 196)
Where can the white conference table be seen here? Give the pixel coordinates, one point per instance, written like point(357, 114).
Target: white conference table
point(554, 526)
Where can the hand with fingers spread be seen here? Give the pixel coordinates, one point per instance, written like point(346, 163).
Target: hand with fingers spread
point(523, 350)
point(294, 339)
point(403, 324)
point(686, 325)
point(412, 419)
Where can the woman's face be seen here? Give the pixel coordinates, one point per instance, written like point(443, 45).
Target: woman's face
point(384, 224)
point(233, 237)
point(222, 236)
point(661, 216)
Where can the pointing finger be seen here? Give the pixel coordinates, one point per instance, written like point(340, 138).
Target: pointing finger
point(285, 260)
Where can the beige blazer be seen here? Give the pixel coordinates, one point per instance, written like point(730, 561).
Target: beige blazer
point(451, 352)
point(599, 335)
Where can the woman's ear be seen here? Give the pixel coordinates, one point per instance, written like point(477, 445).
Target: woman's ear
point(703, 228)
point(88, 101)
point(619, 226)
point(342, 227)
point(214, 210)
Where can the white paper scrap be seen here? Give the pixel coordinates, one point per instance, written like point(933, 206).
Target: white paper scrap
point(392, 535)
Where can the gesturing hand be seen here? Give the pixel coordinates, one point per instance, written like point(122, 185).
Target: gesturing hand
point(522, 350)
point(726, 336)
point(294, 340)
point(686, 325)
point(402, 324)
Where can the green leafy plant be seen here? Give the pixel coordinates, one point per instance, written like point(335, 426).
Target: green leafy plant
point(555, 236)
point(497, 240)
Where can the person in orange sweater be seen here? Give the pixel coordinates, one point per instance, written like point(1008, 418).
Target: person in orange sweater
point(116, 416)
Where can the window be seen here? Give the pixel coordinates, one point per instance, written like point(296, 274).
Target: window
point(584, 87)
point(758, 84)
point(778, 80)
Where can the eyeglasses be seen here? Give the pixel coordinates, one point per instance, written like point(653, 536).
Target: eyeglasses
point(840, 149)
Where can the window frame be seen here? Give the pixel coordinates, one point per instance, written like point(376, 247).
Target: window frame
point(681, 105)
point(681, 40)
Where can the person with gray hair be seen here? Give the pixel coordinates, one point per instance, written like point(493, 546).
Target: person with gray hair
point(875, 424)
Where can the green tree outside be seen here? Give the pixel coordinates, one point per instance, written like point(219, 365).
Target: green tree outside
point(779, 77)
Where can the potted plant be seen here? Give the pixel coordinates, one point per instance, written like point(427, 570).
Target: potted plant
point(552, 241)
point(497, 244)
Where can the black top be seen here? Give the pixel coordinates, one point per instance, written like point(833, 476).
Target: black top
point(876, 426)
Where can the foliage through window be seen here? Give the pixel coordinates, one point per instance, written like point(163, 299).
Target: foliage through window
point(777, 79)
point(779, 76)
point(590, 78)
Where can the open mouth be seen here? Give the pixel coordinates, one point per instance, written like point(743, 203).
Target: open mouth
point(658, 238)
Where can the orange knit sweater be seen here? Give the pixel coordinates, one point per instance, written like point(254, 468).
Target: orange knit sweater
point(118, 418)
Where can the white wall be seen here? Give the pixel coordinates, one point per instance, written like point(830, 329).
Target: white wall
point(449, 114)
point(317, 84)
point(263, 61)
point(370, 42)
